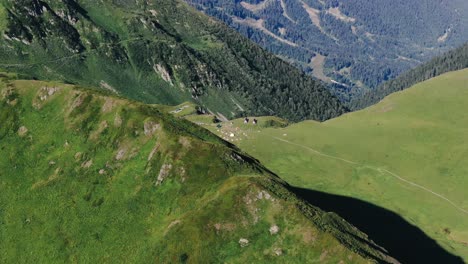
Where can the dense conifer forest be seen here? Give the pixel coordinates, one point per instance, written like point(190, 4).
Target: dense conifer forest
point(451, 61)
point(161, 52)
point(354, 45)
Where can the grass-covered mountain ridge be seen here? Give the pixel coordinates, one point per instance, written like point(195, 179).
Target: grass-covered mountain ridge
point(85, 176)
point(157, 51)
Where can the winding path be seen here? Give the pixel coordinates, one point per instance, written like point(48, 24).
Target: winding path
point(381, 170)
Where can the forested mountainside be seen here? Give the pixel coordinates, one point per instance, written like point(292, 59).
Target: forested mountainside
point(451, 61)
point(159, 51)
point(352, 44)
point(89, 177)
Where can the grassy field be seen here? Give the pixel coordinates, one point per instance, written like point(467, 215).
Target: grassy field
point(88, 177)
point(407, 154)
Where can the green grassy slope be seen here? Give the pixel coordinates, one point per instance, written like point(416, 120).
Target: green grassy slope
point(453, 60)
point(406, 154)
point(88, 177)
point(159, 51)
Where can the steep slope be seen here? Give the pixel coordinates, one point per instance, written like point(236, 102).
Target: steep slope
point(357, 43)
point(158, 51)
point(451, 61)
point(406, 154)
point(87, 177)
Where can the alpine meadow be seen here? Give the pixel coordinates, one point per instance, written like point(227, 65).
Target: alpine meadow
point(403, 154)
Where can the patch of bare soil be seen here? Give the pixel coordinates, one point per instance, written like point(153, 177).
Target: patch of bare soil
point(256, 7)
point(260, 25)
point(317, 63)
point(150, 127)
point(336, 12)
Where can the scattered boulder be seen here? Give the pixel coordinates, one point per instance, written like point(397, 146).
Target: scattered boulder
point(243, 242)
point(159, 69)
point(263, 195)
point(153, 12)
point(6, 93)
point(51, 90)
point(106, 86)
point(181, 172)
point(78, 156)
point(153, 151)
point(87, 164)
point(78, 101)
point(163, 173)
point(43, 95)
point(237, 157)
point(22, 131)
point(120, 154)
point(274, 229)
point(278, 251)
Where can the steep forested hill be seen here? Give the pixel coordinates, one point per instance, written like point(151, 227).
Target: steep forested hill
point(88, 177)
point(451, 61)
point(159, 51)
point(357, 43)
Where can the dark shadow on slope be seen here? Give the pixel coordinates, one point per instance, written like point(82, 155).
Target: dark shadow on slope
point(404, 241)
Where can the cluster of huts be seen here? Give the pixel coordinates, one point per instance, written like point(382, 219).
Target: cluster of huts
point(247, 120)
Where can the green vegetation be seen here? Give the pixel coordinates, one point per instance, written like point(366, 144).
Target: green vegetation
point(89, 177)
point(451, 61)
point(159, 51)
point(3, 19)
point(406, 154)
point(364, 43)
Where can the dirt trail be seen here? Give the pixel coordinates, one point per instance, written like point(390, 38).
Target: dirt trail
point(285, 12)
point(381, 170)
